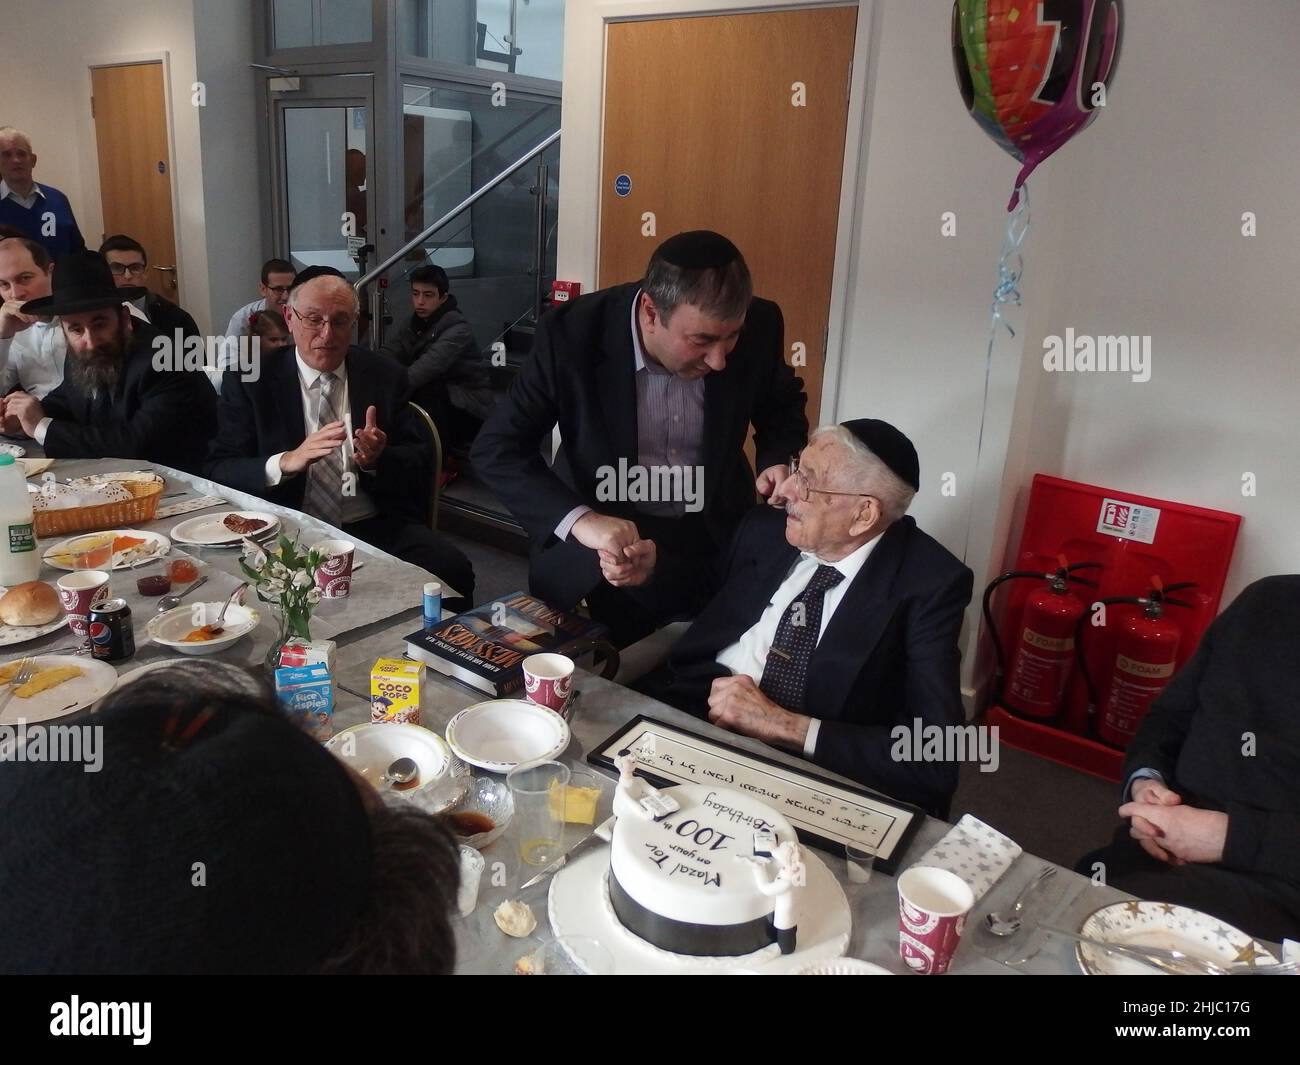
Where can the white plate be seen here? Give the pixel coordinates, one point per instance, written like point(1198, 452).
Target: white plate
point(578, 905)
point(1162, 924)
point(16, 450)
point(208, 531)
point(372, 747)
point(170, 628)
point(504, 733)
point(842, 967)
point(156, 545)
point(72, 695)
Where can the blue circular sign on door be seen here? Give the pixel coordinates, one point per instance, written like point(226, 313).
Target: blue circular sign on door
point(622, 184)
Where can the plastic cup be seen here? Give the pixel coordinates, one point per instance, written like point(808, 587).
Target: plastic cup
point(538, 791)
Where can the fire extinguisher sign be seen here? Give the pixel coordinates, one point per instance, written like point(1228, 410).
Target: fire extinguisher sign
point(1132, 521)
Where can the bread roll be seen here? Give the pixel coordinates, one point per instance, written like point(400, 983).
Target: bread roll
point(33, 603)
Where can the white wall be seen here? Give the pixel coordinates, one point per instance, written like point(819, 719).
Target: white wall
point(1203, 123)
point(45, 89)
point(1135, 229)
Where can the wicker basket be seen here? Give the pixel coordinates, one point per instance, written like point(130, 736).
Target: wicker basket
point(140, 509)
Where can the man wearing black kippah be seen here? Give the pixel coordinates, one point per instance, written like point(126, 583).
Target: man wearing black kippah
point(837, 622)
point(654, 386)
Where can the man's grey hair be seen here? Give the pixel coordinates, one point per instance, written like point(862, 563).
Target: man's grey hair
point(867, 473)
point(722, 292)
point(339, 284)
point(9, 133)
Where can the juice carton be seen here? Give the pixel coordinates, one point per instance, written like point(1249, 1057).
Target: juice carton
point(395, 690)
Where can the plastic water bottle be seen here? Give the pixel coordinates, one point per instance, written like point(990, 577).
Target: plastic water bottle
point(20, 561)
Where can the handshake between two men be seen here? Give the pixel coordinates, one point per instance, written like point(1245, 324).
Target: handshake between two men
point(626, 559)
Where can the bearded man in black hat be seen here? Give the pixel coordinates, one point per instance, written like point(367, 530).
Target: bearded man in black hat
point(126, 393)
point(837, 622)
point(654, 386)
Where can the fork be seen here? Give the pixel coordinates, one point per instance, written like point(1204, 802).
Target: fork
point(25, 670)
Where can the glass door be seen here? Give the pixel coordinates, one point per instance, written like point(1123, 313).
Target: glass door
point(322, 142)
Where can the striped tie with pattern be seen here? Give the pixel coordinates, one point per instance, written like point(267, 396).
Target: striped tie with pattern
point(785, 673)
point(323, 497)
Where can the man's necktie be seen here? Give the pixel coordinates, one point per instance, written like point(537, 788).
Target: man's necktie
point(785, 674)
point(323, 497)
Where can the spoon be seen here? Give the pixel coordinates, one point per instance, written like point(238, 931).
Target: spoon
point(216, 628)
point(402, 771)
point(1008, 924)
point(171, 602)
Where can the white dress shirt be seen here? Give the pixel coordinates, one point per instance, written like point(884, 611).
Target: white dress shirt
point(28, 201)
point(33, 359)
point(355, 507)
point(748, 655)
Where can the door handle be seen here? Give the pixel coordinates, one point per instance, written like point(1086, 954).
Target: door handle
point(169, 269)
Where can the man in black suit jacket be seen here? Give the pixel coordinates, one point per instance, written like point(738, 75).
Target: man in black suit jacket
point(654, 386)
point(123, 394)
point(837, 622)
point(1211, 777)
point(372, 483)
point(130, 263)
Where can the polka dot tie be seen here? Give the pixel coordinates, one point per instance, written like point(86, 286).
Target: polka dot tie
point(785, 673)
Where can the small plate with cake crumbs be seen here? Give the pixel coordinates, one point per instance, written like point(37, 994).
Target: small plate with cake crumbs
point(60, 685)
point(226, 528)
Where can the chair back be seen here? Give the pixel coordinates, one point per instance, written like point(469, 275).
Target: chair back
point(435, 492)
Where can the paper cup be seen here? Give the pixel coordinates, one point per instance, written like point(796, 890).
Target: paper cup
point(334, 574)
point(548, 681)
point(79, 592)
point(932, 908)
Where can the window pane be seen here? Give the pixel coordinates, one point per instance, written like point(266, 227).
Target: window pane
point(308, 23)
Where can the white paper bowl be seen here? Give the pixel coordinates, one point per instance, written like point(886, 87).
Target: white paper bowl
point(504, 733)
point(371, 748)
point(170, 629)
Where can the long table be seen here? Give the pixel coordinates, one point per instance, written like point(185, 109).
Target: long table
point(384, 607)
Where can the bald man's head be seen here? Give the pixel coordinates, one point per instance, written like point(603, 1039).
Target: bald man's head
point(322, 312)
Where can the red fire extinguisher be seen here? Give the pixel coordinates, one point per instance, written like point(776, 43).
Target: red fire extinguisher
point(1146, 650)
point(1042, 659)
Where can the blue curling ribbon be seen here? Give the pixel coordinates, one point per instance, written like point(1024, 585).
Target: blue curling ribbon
point(1010, 266)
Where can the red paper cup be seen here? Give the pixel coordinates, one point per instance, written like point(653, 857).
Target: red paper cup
point(548, 681)
point(79, 592)
point(932, 908)
point(334, 574)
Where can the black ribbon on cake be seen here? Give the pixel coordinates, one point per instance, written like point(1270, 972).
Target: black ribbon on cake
point(686, 937)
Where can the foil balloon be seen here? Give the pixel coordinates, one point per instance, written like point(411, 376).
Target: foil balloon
point(1033, 73)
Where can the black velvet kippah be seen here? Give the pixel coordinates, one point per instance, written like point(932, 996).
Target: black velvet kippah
point(890, 446)
point(698, 249)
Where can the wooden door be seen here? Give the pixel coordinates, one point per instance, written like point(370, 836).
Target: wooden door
point(135, 180)
point(733, 123)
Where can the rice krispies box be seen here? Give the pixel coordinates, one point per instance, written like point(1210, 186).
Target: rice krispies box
point(395, 691)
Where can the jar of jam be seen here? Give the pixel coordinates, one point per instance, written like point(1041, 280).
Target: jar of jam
point(154, 584)
point(183, 571)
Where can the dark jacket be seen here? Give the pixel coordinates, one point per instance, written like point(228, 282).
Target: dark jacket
point(166, 317)
point(261, 418)
point(889, 653)
point(581, 375)
point(161, 415)
point(443, 352)
point(1225, 733)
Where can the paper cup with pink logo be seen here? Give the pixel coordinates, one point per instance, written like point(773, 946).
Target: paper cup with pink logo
point(932, 908)
point(548, 681)
point(334, 573)
point(79, 591)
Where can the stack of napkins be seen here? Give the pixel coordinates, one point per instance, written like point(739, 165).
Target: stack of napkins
point(54, 496)
point(974, 851)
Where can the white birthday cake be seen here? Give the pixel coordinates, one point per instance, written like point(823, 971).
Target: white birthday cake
point(703, 871)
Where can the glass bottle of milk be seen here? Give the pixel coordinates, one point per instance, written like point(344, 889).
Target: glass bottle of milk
point(20, 561)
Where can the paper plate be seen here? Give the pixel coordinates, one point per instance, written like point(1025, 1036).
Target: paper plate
point(155, 545)
point(96, 681)
point(372, 747)
point(1162, 924)
point(208, 531)
point(12, 634)
point(504, 733)
point(16, 450)
point(170, 628)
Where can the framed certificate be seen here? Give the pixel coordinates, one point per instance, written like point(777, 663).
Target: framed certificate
point(824, 813)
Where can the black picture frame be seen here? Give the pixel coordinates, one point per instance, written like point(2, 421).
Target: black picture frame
point(887, 858)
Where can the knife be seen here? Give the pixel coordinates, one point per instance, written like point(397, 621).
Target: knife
point(600, 834)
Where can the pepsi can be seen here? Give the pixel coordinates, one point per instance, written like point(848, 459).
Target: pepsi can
point(112, 637)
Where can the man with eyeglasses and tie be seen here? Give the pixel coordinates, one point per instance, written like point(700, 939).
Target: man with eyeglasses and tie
point(324, 427)
point(837, 620)
point(130, 265)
